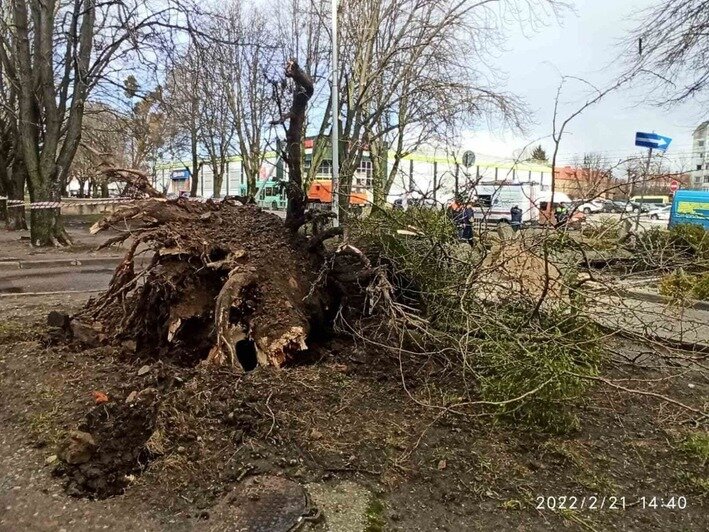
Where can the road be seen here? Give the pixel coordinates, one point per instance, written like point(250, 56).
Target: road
point(645, 221)
point(689, 325)
point(68, 279)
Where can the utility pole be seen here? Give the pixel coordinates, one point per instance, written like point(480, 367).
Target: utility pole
point(642, 190)
point(335, 123)
point(455, 192)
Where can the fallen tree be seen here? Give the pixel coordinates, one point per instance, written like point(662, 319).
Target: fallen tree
point(226, 283)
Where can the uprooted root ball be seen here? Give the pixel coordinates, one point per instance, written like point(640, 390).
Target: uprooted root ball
point(226, 282)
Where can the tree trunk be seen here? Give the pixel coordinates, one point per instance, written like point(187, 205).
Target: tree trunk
point(104, 189)
point(378, 152)
point(194, 146)
point(82, 187)
point(16, 220)
point(194, 173)
point(251, 184)
point(218, 181)
point(3, 202)
point(46, 228)
point(295, 214)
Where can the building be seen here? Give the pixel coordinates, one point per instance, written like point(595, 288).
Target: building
point(435, 174)
point(584, 183)
point(700, 157)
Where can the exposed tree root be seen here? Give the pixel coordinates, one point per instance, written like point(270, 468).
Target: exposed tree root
point(227, 283)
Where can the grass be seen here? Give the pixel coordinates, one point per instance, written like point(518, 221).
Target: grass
point(12, 332)
point(696, 444)
point(590, 479)
point(375, 516)
point(694, 483)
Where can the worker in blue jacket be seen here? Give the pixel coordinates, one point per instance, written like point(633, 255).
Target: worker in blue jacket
point(516, 217)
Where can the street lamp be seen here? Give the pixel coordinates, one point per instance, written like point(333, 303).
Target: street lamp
point(335, 104)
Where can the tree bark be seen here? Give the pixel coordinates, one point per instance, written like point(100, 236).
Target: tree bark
point(303, 91)
point(194, 142)
point(46, 228)
point(251, 184)
point(82, 188)
point(3, 194)
point(218, 172)
point(16, 220)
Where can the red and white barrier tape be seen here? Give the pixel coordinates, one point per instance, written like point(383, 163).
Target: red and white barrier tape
point(92, 201)
point(58, 204)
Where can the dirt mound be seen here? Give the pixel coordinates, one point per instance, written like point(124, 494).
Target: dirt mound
point(261, 503)
point(110, 446)
point(226, 282)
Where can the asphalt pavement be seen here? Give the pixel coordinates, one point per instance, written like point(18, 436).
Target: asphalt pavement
point(53, 280)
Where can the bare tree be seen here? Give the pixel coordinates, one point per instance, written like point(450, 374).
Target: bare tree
point(591, 176)
point(182, 99)
point(12, 169)
point(145, 127)
point(670, 46)
point(106, 140)
point(302, 90)
point(408, 76)
point(55, 53)
point(245, 71)
point(213, 122)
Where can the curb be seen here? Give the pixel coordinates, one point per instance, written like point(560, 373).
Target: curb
point(35, 294)
point(656, 298)
point(59, 263)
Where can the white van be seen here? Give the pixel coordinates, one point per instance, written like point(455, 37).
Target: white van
point(493, 201)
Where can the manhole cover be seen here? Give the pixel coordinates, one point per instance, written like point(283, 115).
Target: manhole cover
point(261, 504)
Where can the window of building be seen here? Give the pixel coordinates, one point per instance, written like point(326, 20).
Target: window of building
point(699, 167)
point(363, 176)
point(706, 178)
point(325, 169)
point(700, 143)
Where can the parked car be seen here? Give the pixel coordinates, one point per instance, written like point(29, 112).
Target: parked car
point(617, 206)
point(660, 212)
point(590, 206)
point(642, 207)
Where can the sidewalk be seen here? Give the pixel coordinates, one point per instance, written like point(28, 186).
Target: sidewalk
point(17, 253)
point(27, 270)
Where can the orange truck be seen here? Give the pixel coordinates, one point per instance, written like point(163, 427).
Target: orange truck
point(320, 193)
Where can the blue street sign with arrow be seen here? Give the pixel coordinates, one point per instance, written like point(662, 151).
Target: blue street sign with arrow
point(652, 141)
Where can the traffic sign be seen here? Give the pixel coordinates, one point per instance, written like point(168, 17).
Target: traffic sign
point(468, 159)
point(652, 141)
point(674, 185)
